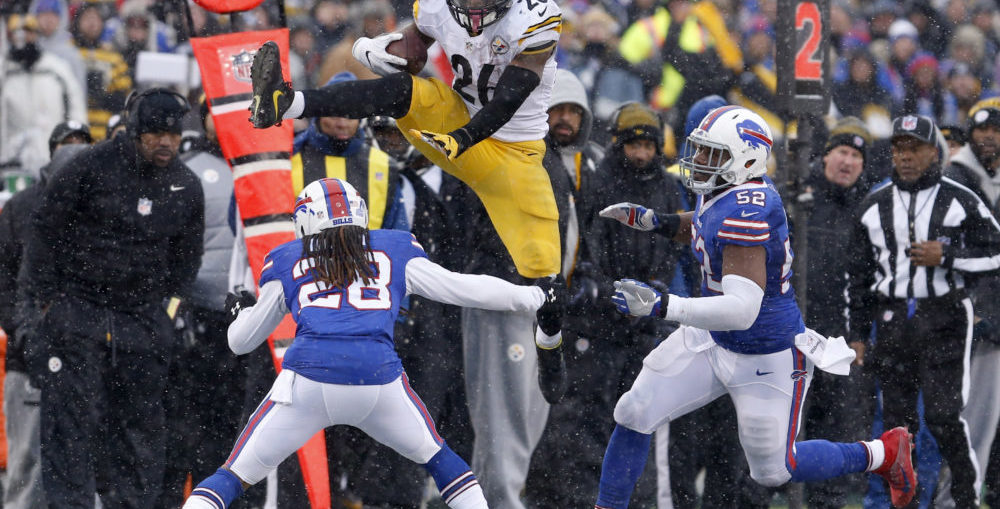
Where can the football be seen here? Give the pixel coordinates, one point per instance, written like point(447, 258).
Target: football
point(411, 47)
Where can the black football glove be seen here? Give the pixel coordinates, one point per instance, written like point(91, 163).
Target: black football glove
point(552, 377)
point(550, 315)
point(236, 303)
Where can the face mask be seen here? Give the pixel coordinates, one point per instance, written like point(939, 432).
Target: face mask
point(339, 145)
point(595, 49)
point(26, 55)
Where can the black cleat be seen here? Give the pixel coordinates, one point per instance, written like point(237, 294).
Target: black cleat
point(272, 95)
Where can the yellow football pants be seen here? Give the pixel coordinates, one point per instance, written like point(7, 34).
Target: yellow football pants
point(507, 176)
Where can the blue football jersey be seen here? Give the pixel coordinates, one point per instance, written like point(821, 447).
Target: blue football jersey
point(750, 215)
point(345, 336)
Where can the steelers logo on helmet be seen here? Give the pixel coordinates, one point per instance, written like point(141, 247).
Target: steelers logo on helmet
point(328, 203)
point(729, 147)
point(475, 15)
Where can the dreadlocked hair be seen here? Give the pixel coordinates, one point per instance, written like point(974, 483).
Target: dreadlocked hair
point(339, 256)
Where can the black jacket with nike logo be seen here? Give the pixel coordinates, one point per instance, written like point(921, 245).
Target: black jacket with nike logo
point(115, 230)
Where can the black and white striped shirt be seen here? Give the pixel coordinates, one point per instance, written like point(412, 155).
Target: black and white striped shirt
point(890, 219)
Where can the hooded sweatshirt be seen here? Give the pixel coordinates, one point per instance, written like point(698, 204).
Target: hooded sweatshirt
point(60, 43)
point(569, 90)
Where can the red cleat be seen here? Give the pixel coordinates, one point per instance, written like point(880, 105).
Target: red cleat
point(897, 469)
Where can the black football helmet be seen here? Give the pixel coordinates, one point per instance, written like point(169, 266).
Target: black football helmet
point(475, 15)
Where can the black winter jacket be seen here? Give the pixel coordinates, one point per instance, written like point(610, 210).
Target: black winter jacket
point(115, 230)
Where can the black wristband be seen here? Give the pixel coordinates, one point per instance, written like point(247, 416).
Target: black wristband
point(670, 224)
point(513, 87)
point(664, 302)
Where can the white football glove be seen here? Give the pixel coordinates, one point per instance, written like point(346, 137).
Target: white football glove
point(636, 298)
point(632, 215)
point(371, 52)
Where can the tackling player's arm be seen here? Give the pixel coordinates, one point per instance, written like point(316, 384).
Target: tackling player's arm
point(744, 274)
point(516, 83)
point(430, 280)
point(674, 226)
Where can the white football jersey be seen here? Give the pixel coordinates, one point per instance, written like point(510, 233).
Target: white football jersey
point(479, 61)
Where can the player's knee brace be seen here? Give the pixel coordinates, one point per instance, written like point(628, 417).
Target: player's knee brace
point(631, 412)
point(765, 449)
point(452, 475)
point(216, 492)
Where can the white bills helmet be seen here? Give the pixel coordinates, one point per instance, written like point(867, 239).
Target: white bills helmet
point(730, 146)
point(328, 203)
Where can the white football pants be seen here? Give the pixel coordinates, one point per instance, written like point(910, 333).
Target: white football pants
point(688, 370)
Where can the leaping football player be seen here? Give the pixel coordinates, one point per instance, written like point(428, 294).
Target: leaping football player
point(486, 128)
point(343, 285)
point(739, 338)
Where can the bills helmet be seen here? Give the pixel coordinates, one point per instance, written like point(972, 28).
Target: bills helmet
point(475, 15)
point(729, 147)
point(328, 203)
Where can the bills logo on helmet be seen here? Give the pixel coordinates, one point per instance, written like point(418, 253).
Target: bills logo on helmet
point(301, 206)
point(753, 134)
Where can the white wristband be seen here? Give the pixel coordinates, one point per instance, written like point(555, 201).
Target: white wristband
point(546, 342)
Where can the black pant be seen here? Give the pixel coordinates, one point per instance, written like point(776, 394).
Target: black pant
point(203, 417)
point(707, 438)
point(102, 416)
point(929, 353)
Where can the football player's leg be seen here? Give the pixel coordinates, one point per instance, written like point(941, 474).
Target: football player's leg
point(769, 410)
point(273, 432)
point(516, 191)
point(434, 106)
point(401, 421)
point(508, 177)
point(389, 95)
point(676, 378)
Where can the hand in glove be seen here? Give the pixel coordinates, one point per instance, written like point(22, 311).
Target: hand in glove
point(451, 144)
point(632, 215)
point(236, 303)
point(371, 52)
point(550, 315)
point(636, 298)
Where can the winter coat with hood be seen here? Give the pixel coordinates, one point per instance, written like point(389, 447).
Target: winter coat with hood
point(60, 42)
point(34, 98)
point(576, 163)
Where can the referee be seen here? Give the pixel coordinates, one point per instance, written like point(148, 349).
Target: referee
point(914, 238)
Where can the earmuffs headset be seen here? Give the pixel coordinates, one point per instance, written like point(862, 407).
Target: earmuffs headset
point(135, 98)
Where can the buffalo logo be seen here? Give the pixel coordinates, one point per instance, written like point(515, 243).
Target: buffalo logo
point(499, 46)
point(909, 123)
point(799, 374)
point(145, 207)
point(753, 134)
point(242, 62)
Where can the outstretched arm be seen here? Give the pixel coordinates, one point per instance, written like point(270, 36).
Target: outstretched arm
point(428, 279)
point(744, 276)
point(255, 324)
point(674, 226)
